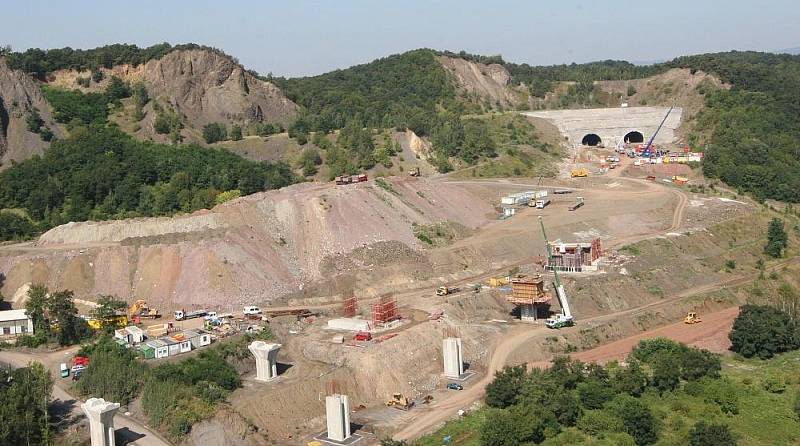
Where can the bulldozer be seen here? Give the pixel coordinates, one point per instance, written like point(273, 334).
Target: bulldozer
point(582, 172)
point(399, 401)
point(692, 318)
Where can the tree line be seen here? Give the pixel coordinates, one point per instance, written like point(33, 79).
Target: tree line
point(101, 173)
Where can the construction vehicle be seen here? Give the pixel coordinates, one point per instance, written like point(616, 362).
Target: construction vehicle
point(141, 310)
point(350, 179)
point(182, 315)
point(542, 203)
point(578, 203)
point(579, 173)
point(118, 321)
point(692, 318)
point(499, 281)
point(565, 318)
point(650, 178)
point(414, 172)
point(445, 290)
point(646, 151)
point(427, 399)
point(399, 401)
point(562, 191)
point(363, 336)
point(680, 181)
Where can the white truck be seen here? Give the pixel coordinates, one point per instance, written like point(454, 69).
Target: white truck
point(182, 315)
point(542, 203)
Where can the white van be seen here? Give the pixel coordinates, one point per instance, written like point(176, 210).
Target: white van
point(250, 309)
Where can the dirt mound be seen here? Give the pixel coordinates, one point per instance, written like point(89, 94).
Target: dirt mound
point(19, 96)
point(484, 82)
point(679, 86)
point(201, 85)
point(254, 249)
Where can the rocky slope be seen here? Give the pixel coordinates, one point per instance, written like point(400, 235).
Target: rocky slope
point(201, 85)
point(482, 82)
point(19, 95)
point(254, 249)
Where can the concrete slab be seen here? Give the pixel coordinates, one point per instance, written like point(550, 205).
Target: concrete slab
point(612, 124)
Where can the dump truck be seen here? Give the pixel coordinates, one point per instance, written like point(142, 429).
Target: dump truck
point(399, 401)
point(579, 173)
point(141, 310)
point(578, 203)
point(692, 318)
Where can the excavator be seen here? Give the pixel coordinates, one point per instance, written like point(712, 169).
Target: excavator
point(565, 318)
point(692, 318)
point(141, 310)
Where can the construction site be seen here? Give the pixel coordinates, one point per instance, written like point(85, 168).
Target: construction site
point(380, 335)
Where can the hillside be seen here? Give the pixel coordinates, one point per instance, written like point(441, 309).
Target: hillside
point(21, 102)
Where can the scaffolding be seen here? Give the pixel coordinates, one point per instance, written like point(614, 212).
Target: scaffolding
point(385, 311)
point(574, 257)
point(528, 294)
point(349, 306)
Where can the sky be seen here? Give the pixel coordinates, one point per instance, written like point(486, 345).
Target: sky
point(300, 38)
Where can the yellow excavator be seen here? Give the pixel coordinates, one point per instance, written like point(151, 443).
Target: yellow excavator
point(692, 318)
point(141, 309)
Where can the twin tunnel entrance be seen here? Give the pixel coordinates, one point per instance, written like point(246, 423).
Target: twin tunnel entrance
point(594, 140)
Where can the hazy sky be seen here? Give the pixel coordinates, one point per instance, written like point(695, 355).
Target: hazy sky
point(292, 37)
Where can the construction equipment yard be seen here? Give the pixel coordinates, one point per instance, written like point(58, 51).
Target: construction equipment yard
point(634, 256)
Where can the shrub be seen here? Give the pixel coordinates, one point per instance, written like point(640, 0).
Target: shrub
point(595, 422)
point(214, 132)
point(236, 133)
point(763, 331)
point(113, 373)
point(504, 389)
point(777, 239)
point(637, 420)
point(709, 434)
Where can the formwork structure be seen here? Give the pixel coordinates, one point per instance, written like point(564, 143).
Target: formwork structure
point(574, 257)
point(528, 294)
point(385, 311)
point(349, 307)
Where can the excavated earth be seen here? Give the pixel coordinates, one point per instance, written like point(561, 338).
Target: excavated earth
point(255, 249)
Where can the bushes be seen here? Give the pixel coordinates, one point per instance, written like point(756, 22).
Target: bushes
point(113, 373)
point(777, 240)
point(637, 420)
point(763, 332)
point(215, 132)
point(15, 227)
point(672, 361)
point(710, 434)
point(504, 389)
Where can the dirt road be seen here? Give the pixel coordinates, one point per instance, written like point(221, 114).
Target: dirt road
point(128, 430)
point(716, 323)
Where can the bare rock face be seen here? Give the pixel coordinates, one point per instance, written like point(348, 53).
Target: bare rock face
point(206, 86)
point(484, 81)
point(19, 95)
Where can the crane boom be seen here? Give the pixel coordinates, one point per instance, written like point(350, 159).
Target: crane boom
point(652, 138)
point(565, 318)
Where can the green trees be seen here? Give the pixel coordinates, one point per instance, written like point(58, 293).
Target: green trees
point(15, 227)
point(101, 173)
point(637, 420)
point(54, 315)
point(215, 132)
point(776, 238)
point(710, 434)
point(25, 395)
point(108, 307)
point(522, 425)
point(504, 389)
point(236, 133)
point(763, 331)
point(113, 373)
point(34, 121)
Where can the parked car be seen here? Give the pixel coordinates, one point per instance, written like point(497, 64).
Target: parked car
point(210, 315)
point(455, 386)
point(250, 309)
point(78, 368)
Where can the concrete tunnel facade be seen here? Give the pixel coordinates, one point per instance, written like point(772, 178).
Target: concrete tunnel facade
point(612, 126)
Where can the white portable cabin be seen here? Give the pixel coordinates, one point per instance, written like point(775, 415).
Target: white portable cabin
point(160, 347)
point(197, 338)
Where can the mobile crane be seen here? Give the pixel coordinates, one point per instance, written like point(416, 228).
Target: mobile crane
point(565, 318)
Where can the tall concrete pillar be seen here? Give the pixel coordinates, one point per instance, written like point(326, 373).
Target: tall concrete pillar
point(266, 359)
point(337, 413)
point(101, 420)
point(453, 358)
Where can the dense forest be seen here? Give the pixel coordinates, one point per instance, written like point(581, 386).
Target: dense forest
point(397, 91)
point(101, 173)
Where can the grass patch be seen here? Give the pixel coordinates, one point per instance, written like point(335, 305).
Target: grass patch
point(383, 184)
point(438, 234)
point(463, 431)
point(632, 250)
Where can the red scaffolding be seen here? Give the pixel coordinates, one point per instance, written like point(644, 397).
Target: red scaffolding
point(349, 307)
point(385, 311)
